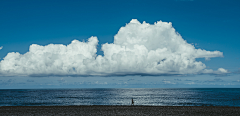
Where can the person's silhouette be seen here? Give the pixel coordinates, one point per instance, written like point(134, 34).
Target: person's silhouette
point(132, 102)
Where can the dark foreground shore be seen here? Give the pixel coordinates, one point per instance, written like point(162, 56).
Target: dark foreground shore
point(118, 110)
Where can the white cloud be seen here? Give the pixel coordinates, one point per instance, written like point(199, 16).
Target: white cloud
point(137, 49)
point(191, 83)
point(1, 47)
point(220, 71)
point(167, 82)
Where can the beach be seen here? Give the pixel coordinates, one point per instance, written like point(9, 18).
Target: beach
point(118, 110)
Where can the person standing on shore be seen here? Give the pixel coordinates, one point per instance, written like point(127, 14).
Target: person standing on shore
point(132, 102)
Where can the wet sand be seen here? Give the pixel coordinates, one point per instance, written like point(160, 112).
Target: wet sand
point(118, 110)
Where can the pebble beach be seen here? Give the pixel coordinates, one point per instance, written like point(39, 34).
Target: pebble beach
point(118, 110)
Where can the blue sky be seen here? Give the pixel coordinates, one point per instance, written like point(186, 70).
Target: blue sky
point(211, 25)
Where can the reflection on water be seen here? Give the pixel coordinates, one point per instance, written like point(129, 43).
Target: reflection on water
point(158, 97)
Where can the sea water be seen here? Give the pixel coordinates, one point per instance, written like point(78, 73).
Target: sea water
point(144, 96)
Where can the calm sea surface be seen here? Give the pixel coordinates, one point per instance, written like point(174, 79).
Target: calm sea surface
point(153, 97)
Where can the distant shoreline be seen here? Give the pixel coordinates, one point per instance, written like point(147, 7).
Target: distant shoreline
point(118, 110)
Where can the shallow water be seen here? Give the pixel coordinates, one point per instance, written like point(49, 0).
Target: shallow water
point(155, 97)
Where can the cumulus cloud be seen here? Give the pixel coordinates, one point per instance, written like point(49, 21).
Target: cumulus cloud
point(1, 47)
point(53, 59)
point(138, 49)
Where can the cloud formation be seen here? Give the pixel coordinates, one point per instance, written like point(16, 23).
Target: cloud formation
point(138, 49)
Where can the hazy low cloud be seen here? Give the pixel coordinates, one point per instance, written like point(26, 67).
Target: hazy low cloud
point(61, 80)
point(215, 80)
point(177, 79)
point(138, 49)
point(238, 71)
point(167, 82)
point(30, 80)
point(236, 81)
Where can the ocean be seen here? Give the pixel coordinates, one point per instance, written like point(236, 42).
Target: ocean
point(141, 96)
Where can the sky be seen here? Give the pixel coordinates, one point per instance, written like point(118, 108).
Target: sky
point(119, 44)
